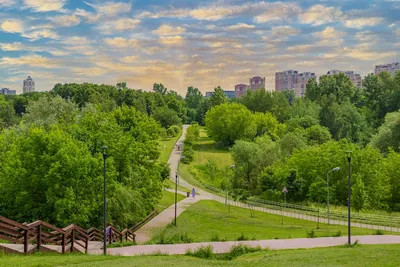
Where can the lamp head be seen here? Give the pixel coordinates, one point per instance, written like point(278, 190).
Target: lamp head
point(232, 166)
point(348, 153)
point(336, 169)
point(104, 149)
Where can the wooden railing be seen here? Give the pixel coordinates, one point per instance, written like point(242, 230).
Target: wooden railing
point(42, 236)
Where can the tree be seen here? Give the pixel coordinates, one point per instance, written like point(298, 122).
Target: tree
point(257, 101)
point(212, 168)
point(267, 124)
point(218, 97)
point(160, 89)
point(193, 98)
point(227, 123)
point(318, 135)
point(388, 136)
point(121, 85)
point(359, 197)
point(7, 114)
point(166, 117)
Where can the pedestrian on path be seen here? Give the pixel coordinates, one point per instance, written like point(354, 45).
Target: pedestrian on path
point(193, 193)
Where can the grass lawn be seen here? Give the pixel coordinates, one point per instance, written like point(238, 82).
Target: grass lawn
point(167, 200)
point(359, 256)
point(166, 147)
point(170, 184)
point(209, 220)
point(205, 151)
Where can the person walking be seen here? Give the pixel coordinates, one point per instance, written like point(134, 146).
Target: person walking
point(193, 193)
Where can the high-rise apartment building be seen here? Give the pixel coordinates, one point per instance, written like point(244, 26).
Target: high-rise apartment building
point(301, 84)
point(28, 85)
point(240, 89)
point(354, 77)
point(293, 80)
point(6, 91)
point(391, 67)
point(256, 83)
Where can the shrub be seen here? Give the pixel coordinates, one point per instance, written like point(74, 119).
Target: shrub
point(176, 129)
point(242, 237)
point(240, 250)
point(122, 244)
point(189, 140)
point(188, 154)
point(379, 232)
point(194, 130)
point(311, 234)
point(337, 234)
point(170, 132)
point(203, 252)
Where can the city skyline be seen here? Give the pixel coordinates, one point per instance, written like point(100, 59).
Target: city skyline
point(184, 43)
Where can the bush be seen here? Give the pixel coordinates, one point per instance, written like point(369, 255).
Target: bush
point(311, 234)
point(176, 129)
point(194, 130)
point(337, 234)
point(203, 252)
point(188, 154)
point(379, 232)
point(170, 132)
point(242, 237)
point(240, 250)
point(122, 244)
point(189, 140)
point(215, 238)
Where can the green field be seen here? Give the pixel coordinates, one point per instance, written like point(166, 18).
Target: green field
point(166, 147)
point(360, 256)
point(167, 200)
point(209, 220)
point(197, 172)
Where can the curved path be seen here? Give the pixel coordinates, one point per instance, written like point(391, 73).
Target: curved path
point(222, 247)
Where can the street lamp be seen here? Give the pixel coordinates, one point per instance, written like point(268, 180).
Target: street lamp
point(348, 153)
point(327, 185)
point(176, 191)
point(104, 148)
point(226, 186)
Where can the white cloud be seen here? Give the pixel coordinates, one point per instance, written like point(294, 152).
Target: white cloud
point(45, 5)
point(169, 30)
point(364, 52)
point(210, 27)
point(129, 59)
point(241, 26)
point(362, 22)
point(94, 71)
point(30, 60)
point(7, 3)
point(111, 9)
point(119, 25)
point(46, 33)
point(12, 25)
point(319, 14)
point(76, 40)
point(171, 40)
point(119, 42)
point(16, 46)
point(284, 31)
point(66, 21)
point(275, 11)
point(329, 32)
point(300, 48)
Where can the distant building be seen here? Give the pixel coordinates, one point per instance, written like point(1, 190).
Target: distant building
point(208, 94)
point(6, 91)
point(29, 85)
point(256, 83)
point(392, 68)
point(230, 94)
point(354, 77)
point(240, 89)
point(293, 80)
point(301, 83)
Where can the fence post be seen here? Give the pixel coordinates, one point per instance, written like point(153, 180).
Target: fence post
point(318, 220)
point(25, 242)
point(72, 240)
point(39, 237)
point(280, 205)
point(63, 244)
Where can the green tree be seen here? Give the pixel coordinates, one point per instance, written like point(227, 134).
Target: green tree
point(121, 85)
point(227, 123)
point(160, 89)
point(218, 97)
point(166, 117)
point(388, 136)
point(359, 197)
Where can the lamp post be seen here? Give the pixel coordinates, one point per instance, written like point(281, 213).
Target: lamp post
point(327, 186)
point(226, 187)
point(104, 148)
point(348, 153)
point(176, 192)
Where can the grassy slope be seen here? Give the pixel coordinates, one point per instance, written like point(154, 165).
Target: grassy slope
point(207, 218)
point(169, 146)
point(170, 184)
point(167, 200)
point(205, 150)
point(375, 255)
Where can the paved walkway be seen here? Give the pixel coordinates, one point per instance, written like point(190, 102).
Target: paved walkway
point(224, 247)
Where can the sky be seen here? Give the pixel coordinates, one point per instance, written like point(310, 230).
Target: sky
point(183, 43)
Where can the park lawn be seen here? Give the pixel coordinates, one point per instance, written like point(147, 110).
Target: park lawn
point(167, 200)
point(205, 150)
point(171, 185)
point(208, 220)
point(359, 256)
point(166, 147)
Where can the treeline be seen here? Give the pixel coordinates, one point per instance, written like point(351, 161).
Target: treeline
point(51, 164)
point(279, 140)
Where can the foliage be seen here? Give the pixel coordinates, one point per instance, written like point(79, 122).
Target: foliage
point(388, 136)
point(227, 123)
point(218, 97)
point(166, 117)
